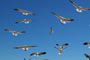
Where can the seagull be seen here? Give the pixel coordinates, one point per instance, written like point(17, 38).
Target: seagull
point(14, 33)
point(87, 44)
point(78, 8)
point(24, 12)
point(51, 30)
point(62, 19)
point(37, 54)
point(25, 21)
point(25, 48)
point(61, 48)
point(87, 56)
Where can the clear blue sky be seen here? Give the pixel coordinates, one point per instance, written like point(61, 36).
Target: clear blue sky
point(74, 33)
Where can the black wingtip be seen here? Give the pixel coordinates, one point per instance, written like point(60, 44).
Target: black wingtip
point(44, 53)
point(72, 19)
point(17, 9)
point(86, 43)
point(16, 22)
point(66, 44)
point(53, 13)
point(5, 29)
point(87, 56)
point(57, 44)
point(23, 32)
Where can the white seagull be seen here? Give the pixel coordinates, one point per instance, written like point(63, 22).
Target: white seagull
point(62, 19)
point(78, 8)
point(25, 48)
point(14, 33)
point(61, 48)
point(37, 54)
point(25, 21)
point(24, 12)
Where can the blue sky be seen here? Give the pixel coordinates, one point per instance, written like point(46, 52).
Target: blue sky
point(74, 33)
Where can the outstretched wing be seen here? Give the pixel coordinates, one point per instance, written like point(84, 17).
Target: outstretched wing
point(33, 53)
point(59, 17)
point(64, 45)
point(19, 10)
point(86, 8)
point(32, 13)
point(42, 53)
point(74, 4)
point(9, 30)
point(87, 55)
point(21, 32)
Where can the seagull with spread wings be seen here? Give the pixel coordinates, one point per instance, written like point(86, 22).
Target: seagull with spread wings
point(87, 56)
point(14, 33)
point(62, 19)
point(61, 48)
point(37, 54)
point(24, 12)
point(87, 44)
point(78, 8)
point(25, 48)
point(25, 21)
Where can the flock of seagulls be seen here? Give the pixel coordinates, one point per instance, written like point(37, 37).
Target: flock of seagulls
point(63, 20)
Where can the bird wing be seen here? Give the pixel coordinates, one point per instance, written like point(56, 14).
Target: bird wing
point(41, 53)
point(21, 32)
point(33, 53)
point(19, 10)
point(59, 17)
point(85, 9)
point(9, 30)
point(32, 13)
point(74, 4)
point(87, 55)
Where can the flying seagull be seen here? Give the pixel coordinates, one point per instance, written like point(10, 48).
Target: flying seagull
point(78, 8)
point(61, 48)
point(14, 33)
point(25, 21)
point(24, 12)
point(25, 48)
point(87, 56)
point(51, 30)
point(62, 19)
point(87, 44)
point(37, 54)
